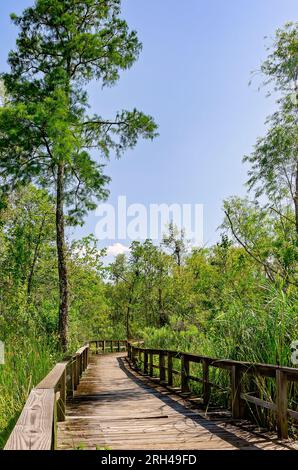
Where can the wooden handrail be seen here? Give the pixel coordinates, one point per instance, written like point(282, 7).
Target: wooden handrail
point(111, 345)
point(237, 369)
point(36, 428)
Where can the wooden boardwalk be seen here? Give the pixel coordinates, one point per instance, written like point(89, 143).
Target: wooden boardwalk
point(114, 408)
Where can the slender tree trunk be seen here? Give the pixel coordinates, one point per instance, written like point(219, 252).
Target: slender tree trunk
point(127, 323)
point(178, 256)
point(162, 320)
point(128, 313)
point(35, 258)
point(62, 265)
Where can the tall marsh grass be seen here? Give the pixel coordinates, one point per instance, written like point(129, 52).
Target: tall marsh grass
point(262, 333)
point(27, 360)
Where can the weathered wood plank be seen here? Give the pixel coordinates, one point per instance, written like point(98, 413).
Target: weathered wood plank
point(34, 427)
point(54, 376)
point(258, 401)
point(282, 404)
point(236, 391)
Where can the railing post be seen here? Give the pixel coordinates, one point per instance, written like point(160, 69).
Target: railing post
point(103, 346)
point(206, 385)
point(81, 363)
point(73, 375)
point(118, 346)
point(170, 368)
point(96, 347)
point(236, 403)
point(70, 383)
point(84, 359)
point(74, 371)
point(133, 355)
point(62, 399)
point(282, 404)
point(162, 372)
point(151, 364)
point(184, 373)
point(112, 346)
point(145, 362)
point(77, 370)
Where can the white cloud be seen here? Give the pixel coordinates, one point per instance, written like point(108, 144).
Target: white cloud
point(117, 249)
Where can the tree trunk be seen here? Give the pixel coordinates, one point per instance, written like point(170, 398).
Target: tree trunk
point(162, 319)
point(35, 258)
point(128, 332)
point(127, 323)
point(62, 266)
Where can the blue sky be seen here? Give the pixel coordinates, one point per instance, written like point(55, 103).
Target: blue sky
point(192, 76)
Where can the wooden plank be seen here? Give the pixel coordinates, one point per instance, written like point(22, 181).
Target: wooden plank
point(258, 401)
point(151, 368)
point(34, 428)
point(162, 372)
point(236, 391)
point(206, 383)
point(184, 373)
point(145, 369)
point(70, 379)
point(81, 350)
point(282, 404)
point(62, 400)
point(53, 377)
point(170, 369)
point(77, 370)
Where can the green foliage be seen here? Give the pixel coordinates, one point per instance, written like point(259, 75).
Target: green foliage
point(29, 299)
point(273, 169)
point(281, 65)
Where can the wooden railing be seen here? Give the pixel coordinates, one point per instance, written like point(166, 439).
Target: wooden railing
point(110, 345)
point(36, 428)
point(148, 360)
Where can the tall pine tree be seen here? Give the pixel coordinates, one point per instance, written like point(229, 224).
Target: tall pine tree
point(46, 134)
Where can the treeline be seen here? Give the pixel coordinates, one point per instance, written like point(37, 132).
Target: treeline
point(220, 301)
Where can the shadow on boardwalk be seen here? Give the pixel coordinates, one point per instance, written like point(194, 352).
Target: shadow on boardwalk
point(116, 408)
point(174, 401)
